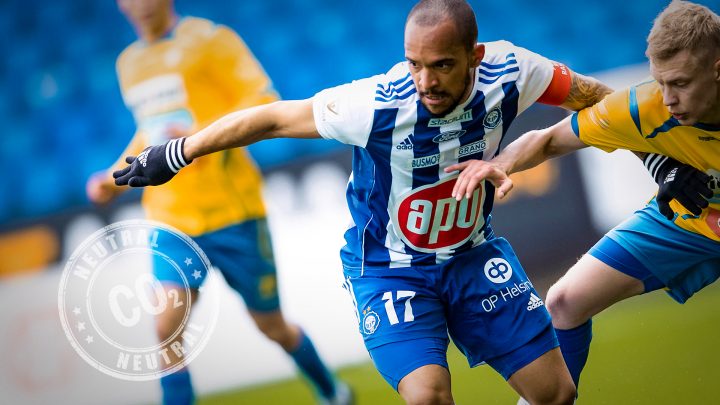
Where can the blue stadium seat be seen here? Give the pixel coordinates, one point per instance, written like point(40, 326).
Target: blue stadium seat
point(60, 94)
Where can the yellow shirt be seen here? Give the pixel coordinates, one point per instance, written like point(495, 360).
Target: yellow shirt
point(195, 75)
point(636, 119)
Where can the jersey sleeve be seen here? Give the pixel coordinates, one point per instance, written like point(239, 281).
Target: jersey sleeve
point(535, 75)
point(608, 125)
point(345, 113)
point(236, 69)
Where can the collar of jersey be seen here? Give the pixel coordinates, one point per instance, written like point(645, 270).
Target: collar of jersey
point(707, 127)
point(168, 35)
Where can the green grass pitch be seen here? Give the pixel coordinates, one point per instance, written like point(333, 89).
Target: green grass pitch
point(646, 350)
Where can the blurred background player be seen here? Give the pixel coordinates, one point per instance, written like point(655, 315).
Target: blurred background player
point(180, 75)
point(673, 243)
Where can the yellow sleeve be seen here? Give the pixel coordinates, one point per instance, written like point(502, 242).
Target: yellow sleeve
point(609, 124)
point(136, 145)
point(236, 69)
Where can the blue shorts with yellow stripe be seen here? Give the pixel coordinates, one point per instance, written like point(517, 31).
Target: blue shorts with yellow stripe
point(652, 249)
point(243, 254)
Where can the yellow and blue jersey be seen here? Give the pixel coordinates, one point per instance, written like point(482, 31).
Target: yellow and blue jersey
point(196, 74)
point(636, 119)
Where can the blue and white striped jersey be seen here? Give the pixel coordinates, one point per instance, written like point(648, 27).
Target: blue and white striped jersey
point(398, 194)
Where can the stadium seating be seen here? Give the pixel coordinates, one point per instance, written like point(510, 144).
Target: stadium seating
point(63, 117)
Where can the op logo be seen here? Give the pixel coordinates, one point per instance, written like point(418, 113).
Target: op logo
point(498, 270)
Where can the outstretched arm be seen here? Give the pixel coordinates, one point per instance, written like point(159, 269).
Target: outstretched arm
point(528, 151)
point(158, 164)
point(282, 119)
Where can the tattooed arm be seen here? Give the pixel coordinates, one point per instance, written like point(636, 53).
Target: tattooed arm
point(584, 92)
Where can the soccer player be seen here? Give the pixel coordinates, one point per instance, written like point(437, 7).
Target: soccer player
point(419, 264)
point(180, 75)
point(670, 244)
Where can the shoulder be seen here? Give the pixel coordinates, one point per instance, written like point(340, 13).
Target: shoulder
point(646, 105)
point(131, 53)
point(195, 27)
point(395, 86)
point(499, 51)
point(208, 38)
point(200, 31)
point(647, 93)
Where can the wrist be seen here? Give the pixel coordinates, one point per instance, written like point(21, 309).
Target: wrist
point(175, 156)
point(502, 165)
point(654, 164)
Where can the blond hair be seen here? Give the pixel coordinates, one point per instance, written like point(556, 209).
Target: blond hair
point(684, 25)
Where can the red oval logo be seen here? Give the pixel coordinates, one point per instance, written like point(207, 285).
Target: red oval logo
point(713, 221)
point(429, 218)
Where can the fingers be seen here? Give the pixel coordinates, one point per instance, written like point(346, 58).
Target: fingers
point(138, 181)
point(702, 177)
point(123, 176)
point(665, 210)
point(697, 198)
point(700, 185)
point(457, 166)
point(692, 202)
point(129, 159)
point(467, 182)
point(120, 173)
point(504, 188)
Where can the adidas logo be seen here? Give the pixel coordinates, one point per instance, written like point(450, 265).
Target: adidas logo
point(143, 157)
point(406, 144)
point(671, 176)
point(534, 302)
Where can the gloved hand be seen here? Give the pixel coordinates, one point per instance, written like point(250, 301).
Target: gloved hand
point(679, 181)
point(153, 166)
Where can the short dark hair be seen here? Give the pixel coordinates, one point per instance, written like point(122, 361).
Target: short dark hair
point(432, 12)
point(684, 25)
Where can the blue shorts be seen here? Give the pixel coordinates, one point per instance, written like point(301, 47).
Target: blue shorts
point(482, 298)
point(655, 251)
point(243, 254)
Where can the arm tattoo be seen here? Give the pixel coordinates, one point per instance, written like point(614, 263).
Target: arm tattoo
point(584, 92)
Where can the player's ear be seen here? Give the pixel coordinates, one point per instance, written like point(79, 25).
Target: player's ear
point(716, 69)
point(478, 54)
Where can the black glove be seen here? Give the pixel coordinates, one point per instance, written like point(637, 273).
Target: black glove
point(153, 166)
point(684, 183)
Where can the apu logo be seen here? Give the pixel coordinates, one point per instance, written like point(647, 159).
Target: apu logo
point(713, 221)
point(492, 118)
point(498, 270)
point(449, 135)
point(429, 218)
